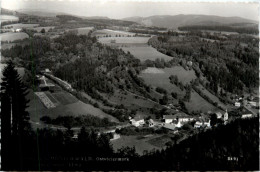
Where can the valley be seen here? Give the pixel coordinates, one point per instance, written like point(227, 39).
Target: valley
point(137, 83)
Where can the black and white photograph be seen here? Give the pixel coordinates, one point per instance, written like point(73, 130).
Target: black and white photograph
point(129, 85)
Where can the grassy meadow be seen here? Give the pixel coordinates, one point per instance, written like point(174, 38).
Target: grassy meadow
point(10, 36)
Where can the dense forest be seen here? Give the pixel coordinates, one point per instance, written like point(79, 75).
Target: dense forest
point(229, 63)
point(239, 28)
point(231, 147)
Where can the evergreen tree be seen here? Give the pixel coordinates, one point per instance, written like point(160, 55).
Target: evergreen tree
point(15, 118)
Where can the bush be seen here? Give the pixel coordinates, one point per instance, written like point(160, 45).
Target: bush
point(161, 90)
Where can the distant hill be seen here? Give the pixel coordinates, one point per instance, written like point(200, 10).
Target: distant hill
point(54, 14)
point(176, 21)
point(7, 12)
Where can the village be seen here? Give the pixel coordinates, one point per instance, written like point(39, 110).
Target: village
point(172, 123)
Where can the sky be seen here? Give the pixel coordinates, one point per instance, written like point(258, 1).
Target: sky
point(120, 9)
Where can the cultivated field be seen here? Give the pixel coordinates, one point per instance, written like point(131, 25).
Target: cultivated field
point(131, 101)
point(124, 40)
point(112, 33)
point(82, 30)
point(20, 25)
point(45, 100)
point(38, 29)
point(10, 36)
point(64, 98)
point(5, 18)
point(37, 109)
point(134, 141)
point(146, 53)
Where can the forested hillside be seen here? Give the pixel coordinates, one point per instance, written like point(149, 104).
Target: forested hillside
point(85, 63)
point(230, 147)
point(230, 63)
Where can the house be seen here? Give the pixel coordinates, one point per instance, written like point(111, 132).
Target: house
point(219, 115)
point(168, 118)
point(180, 117)
point(225, 116)
point(137, 121)
point(246, 116)
point(47, 70)
point(115, 136)
point(237, 104)
point(150, 123)
point(252, 103)
point(202, 121)
point(18, 30)
point(198, 124)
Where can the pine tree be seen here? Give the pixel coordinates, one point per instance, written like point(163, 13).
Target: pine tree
point(15, 118)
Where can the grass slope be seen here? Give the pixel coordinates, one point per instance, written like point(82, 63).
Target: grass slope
point(74, 108)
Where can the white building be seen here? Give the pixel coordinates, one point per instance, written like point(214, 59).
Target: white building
point(246, 116)
point(168, 119)
point(252, 103)
point(180, 117)
point(219, 115)
point(225, 116)
point(198, 124)
point(150, 123)
point(137, 121)
point(237, 104)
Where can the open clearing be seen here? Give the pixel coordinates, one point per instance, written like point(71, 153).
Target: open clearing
point(10, 36)
point(130, 101)
point(185, 76)
point(112, 33)
point(197, 103)
point(146, 53)
point(160, 141)
point(160, 77)
point(37, 109)
point(124, 40)
point(132, 141)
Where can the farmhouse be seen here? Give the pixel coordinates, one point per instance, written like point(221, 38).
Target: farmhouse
point(252, 103)
point(173, 125)
point(219, 115)
point(246, 116)
point(237, 104)
point(202, 121)
point(137, 121)
point(168, 118)
point(198, 124)
point(180, 117)
point(150, 123)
